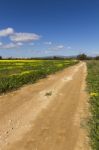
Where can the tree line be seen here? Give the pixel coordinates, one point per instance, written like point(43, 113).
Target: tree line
point(79, 57)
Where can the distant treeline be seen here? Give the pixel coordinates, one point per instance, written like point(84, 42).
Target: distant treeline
point(79, 57)
point(85, 57)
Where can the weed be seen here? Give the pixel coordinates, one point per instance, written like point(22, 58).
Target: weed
point(48, 93)
point(93, 86)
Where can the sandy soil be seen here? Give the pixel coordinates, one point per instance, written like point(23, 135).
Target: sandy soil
point(48, 115)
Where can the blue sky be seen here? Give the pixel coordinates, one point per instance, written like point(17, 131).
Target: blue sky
point(30, 28)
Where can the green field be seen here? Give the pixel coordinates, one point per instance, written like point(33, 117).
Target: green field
point(15, 73)
point(93, 86)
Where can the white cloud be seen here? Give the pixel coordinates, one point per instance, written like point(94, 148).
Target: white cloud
point(24, 37)
point(1, 43)
point(19, 44)
point(48, 43)
point(17, 39)
point(6, 32)
point(9, 46)
point(59, 46)
point(56, 47)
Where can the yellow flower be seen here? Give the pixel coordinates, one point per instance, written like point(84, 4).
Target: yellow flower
point(26, 72)
point(94, 94)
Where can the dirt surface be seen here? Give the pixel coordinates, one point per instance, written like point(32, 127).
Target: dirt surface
point(48, 115)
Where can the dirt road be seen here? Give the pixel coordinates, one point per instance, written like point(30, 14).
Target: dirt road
point(47, 115)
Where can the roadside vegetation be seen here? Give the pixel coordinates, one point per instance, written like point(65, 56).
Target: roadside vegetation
point(93, 86)
point(15, 73)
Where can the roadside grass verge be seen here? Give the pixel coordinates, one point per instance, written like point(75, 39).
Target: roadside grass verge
point(93, 87)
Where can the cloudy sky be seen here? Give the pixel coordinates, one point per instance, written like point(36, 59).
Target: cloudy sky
point(30, 28)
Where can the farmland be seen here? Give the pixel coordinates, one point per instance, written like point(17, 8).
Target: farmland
point(15, 73)
point(93, 86)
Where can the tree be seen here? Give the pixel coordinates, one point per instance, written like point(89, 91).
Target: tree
point(0, 57)
point(97, 57)
point(82, 57)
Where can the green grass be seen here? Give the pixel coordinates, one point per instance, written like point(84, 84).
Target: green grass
point(93, 86)
point(15, 73)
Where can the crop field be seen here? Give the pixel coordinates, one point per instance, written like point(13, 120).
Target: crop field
point(93, 86)
point(15, 73)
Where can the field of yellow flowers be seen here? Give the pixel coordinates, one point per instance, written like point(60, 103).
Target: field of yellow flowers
point(93, 86)
point(15, 73)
